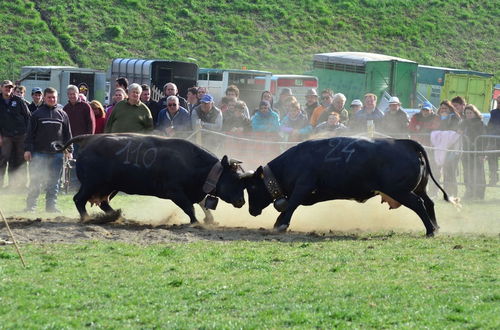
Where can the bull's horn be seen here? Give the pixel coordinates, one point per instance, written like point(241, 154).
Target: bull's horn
point(233, 161)
point(246, 174)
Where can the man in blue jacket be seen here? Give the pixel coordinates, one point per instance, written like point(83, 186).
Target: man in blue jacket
point(48, 123)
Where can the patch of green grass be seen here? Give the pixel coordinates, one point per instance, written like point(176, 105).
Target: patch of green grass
point(371, 281)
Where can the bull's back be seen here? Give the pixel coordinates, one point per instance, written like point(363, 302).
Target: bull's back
point(348, 164)
point(139, 162)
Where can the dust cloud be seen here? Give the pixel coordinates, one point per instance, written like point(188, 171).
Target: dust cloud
point(345, 216)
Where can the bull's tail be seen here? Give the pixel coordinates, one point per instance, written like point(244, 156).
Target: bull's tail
point(58, 146)
point(421, 149)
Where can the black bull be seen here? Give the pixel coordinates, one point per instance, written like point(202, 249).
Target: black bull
point(345, 168)
point(150, 165)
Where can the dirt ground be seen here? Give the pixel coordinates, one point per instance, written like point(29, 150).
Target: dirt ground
point(157, 221)
point(67, 230)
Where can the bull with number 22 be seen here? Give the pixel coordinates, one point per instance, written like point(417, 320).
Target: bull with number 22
point(345, 168)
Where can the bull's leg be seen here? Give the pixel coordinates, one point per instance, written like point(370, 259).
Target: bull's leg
point(209, 218)
point(415, 203)
point(106, 207)
point(300, 193)
point(182, 201)
point(429, 206)
point(80, 199)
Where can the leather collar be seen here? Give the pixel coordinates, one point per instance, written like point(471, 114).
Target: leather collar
point(212, 179)
point(272, 184)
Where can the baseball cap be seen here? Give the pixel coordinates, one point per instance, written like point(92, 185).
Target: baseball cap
point(36, 90)
point(207, 98)
point(394, 100)
point(7, 83)
point(357, 102)
point(427, 105)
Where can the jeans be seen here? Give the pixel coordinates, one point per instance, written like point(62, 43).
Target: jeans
point(45, 170)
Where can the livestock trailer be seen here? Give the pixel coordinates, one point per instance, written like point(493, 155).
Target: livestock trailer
point(155, 73)
point(355, 74)
point(217, 81)
point(298, 84)
point(59, 77)
point(437, 84)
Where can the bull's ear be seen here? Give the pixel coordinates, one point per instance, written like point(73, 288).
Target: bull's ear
point(259, 173)
point(224, 161)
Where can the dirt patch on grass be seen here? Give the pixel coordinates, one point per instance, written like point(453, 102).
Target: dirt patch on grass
point(67, 230)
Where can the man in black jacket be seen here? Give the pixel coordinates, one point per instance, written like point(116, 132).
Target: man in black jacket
point(48, 123)
point(14, 118)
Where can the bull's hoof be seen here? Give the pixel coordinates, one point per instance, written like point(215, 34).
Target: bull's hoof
point(281, 228)
point(430, 234)
point(210, 222)
point(102, 219)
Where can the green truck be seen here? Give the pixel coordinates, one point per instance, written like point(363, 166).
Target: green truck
point(437, 84)
point(355, 74)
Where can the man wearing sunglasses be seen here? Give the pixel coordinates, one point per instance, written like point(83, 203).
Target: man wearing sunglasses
point(326, 101)
point(173, 118)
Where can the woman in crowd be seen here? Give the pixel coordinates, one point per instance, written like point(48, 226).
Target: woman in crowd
point(100, 116)
point(471, 127)
point(119, 96)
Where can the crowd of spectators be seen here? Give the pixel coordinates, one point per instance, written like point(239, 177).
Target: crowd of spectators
point(27, 129)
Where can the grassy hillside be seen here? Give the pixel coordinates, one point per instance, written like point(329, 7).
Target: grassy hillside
point(275, 35)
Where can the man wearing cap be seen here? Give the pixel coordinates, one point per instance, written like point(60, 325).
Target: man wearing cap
point(311, 102)
point(423, 123)
point(14, 119)
point(280, 106)
point(47, 124)
point(37, 97)
point(170, 89)
point(130, 115)
point(395, 121)
point(356, 105)
point(207, 114)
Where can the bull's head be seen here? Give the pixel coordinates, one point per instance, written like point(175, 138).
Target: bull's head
point(229, 187)
point(258, 196)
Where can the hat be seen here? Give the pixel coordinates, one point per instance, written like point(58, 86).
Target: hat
point(311, 92)
point(427, 105)
point(7, 83)
point(207, 98)
point(357, 102)
point(264, 102)
point(287, 91)
point(394, 100)
point(36, 90)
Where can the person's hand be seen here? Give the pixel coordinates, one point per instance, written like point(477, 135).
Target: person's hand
point(27, 156)
point(68, 155)
point(170, 131)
